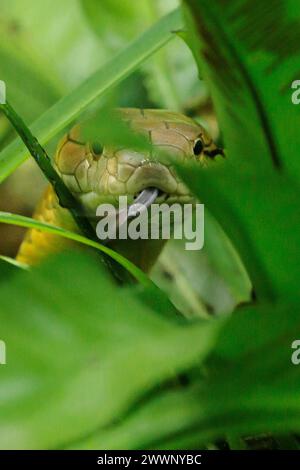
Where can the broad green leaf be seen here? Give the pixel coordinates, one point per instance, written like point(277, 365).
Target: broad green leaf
point(107, 127)
point(254, 386)
point(150, 294)
point(102, 17)
point(22, 221)
point(162, 416)
point(248, 52)
point(110, 74)
point(82, 351)
point(250, 386)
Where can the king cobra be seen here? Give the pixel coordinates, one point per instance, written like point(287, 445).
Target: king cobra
point(96, 174)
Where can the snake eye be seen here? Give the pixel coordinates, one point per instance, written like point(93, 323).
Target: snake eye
point(198, 147)
point(97, 148)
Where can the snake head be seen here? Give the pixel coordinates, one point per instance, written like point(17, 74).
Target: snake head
point(100, 174)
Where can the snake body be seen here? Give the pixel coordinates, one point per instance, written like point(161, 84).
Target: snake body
point(98, 175)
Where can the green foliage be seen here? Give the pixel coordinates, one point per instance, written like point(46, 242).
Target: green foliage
point(255, 198)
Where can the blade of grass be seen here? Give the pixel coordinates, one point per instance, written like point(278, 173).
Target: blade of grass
point(106, 77)
point(22, 221)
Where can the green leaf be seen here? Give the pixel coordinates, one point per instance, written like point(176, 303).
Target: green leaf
point(253, 385)
point(69, 37)
point(109, 75)
point(80, 358)
point(249, 55)
point(250, 386)
point(171, 75)
point(254, 204)
point(27, 79)
point(104, 18)
point(107, 127)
